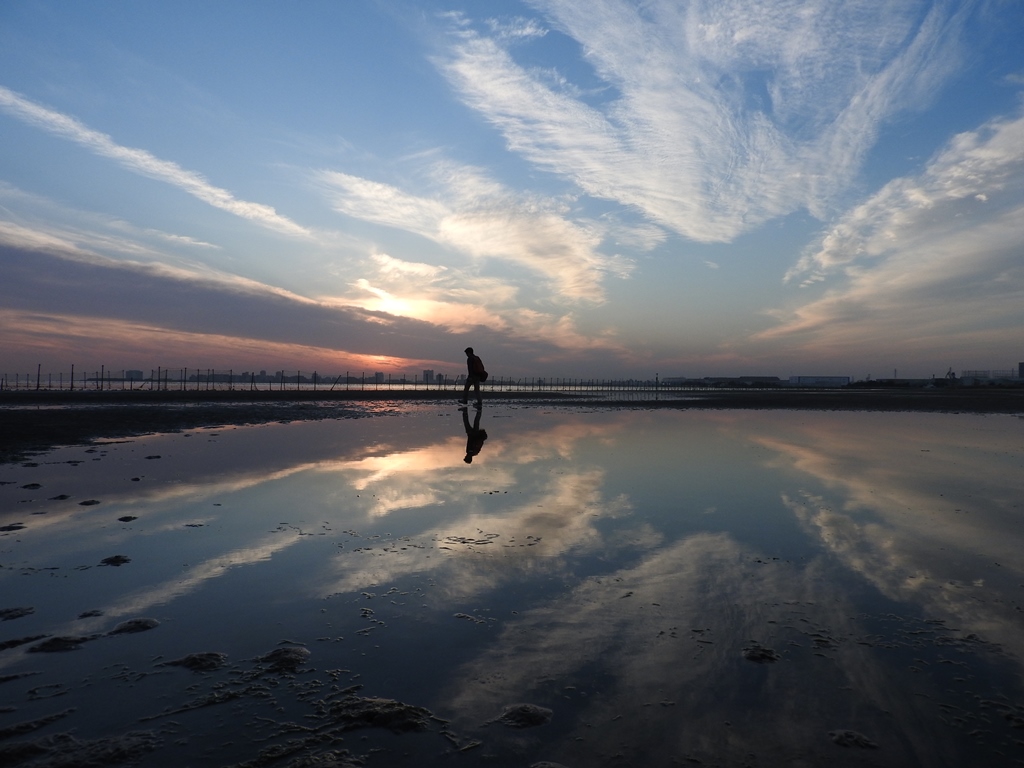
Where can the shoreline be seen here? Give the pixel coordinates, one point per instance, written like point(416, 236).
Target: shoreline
point(32, 422)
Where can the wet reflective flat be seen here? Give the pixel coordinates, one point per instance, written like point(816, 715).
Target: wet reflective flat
point(594, 587)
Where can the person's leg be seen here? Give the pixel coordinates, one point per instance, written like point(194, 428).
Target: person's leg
point(465, 393)
point(479, 397)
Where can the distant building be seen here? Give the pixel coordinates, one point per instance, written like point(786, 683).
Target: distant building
point(439, 378)
point(138, 374)
point(725, 381)
point(819, 381)
point(1007, 374)
point(378, 378)
point(428, 375)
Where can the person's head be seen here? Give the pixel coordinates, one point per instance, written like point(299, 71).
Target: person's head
point(469, 351)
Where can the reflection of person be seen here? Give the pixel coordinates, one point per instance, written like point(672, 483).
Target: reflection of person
point(474, 435)
point(476, 374)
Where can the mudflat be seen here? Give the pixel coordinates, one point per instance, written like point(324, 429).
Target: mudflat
point(603, 585)
point(37, 420)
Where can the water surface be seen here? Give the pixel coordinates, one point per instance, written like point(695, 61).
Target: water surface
point(698, 587)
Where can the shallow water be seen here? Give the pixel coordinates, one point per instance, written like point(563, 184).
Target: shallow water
point(698, 587)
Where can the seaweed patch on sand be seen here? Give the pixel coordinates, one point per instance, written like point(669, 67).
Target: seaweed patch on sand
point(523, 716)
point(9, 614)
point(320, 709)
point(63, 750)
point(203, 661)
point(62, 643)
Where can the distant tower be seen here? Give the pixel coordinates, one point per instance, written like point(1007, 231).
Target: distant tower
point(428, 375)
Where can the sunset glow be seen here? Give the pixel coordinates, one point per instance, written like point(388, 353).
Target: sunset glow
point(575, 189)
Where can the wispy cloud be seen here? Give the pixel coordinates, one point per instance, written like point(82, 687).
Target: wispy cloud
point(381, 203)
point(145, 163)
point(928, 262)
point(718, 116)
point(48, 210)
point(460, 302)
point(479, 218)
point(516, 28)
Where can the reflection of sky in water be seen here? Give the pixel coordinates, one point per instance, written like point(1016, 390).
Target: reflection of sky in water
point(609, 565)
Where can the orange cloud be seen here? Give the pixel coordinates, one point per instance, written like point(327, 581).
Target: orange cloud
point(57, 341)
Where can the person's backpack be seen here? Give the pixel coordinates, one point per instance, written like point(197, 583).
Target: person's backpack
point(478, 369)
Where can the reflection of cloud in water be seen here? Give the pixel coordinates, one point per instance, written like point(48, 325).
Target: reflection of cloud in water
point(408, 479)
point(194, 577)
point(651, 657)
point(436, 473)
point(193, 475)
point(925, 509)
point(141, 601)
point(373, 470)
point(77, 524)
point(557, 518)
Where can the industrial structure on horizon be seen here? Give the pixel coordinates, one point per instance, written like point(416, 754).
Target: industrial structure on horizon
point(1009, 373)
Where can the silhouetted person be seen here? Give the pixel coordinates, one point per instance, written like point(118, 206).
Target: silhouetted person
point(476, 374)
point(474, 435)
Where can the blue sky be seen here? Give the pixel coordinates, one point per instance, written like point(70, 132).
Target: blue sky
point(601, 188)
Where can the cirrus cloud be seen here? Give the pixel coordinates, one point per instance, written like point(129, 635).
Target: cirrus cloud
point(712, 117)
point(897, 263)
point(145, 163)
point(480, 219)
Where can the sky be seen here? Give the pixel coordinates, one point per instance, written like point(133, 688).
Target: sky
point(576, 188)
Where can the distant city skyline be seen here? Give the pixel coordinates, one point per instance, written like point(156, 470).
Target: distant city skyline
point(172, 377)
point(597, 189)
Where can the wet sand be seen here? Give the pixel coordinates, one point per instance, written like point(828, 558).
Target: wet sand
point(36, 421)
